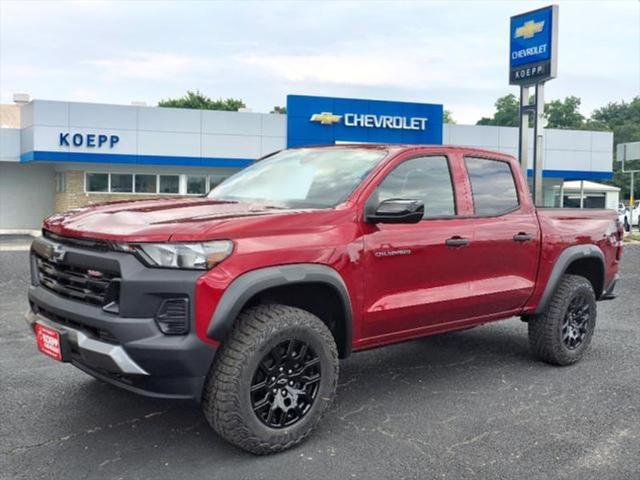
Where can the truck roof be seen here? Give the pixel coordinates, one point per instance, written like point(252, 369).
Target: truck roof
point(396, 148)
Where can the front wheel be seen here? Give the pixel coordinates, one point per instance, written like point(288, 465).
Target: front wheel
point(562, 334)
point(272, 380)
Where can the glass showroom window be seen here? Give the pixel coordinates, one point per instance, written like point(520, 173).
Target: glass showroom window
point(215, 180)
point(97, 182)
point(121, 183)
point(196, 184)
point(61, 182)
point(146, 183)
point(169, 184)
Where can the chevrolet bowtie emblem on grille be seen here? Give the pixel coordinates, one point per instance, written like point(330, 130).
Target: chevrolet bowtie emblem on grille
point(325, 118)
point(56, 254)
point(529, 29)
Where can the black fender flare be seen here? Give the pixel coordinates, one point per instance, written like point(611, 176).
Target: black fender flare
point(243, 288)
point(563, 261)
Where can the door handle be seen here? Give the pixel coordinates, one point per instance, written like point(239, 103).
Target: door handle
point(457, 241)
point(522, 237)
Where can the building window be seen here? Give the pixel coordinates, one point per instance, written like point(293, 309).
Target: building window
point(61, 182)
point(593, 200)
point(146, 183)
point(169, 183)
point(121, 183)
point(492, 185)
point(97, 182)
point(215, 180)
point(196, 184)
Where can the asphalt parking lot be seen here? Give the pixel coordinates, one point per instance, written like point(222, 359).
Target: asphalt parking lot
point(472, 404)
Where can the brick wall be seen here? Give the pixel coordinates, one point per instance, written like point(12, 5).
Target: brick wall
point(10, 115)
point(75, 197)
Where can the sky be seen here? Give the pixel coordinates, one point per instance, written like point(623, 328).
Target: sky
point(454, 53)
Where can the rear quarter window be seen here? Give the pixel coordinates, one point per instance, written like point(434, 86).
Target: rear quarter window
point(492, 185)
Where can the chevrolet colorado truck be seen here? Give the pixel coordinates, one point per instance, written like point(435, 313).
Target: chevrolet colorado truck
point(245, 299)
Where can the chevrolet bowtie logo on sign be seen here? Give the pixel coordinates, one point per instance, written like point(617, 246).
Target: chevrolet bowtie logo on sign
point(533, 46)
point(325, 118)
point(369, 120)
point(529, 29)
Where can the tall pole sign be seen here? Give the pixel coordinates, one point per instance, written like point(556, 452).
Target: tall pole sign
point(533, 59)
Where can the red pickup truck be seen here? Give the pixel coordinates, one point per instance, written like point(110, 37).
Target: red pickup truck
point(246, 299)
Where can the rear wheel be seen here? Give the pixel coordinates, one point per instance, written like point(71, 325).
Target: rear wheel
point(272, 380)
point(562, 334)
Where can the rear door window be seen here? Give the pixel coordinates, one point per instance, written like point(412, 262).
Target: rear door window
point(493, 187)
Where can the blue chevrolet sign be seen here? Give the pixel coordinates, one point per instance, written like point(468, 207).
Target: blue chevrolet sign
point(327, 120)
point(533, 46)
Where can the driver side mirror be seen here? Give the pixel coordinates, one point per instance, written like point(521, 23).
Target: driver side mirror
point(396, 210)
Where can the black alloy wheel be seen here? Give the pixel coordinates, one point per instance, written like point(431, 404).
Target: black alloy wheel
point(285, 384)
point(576, 322)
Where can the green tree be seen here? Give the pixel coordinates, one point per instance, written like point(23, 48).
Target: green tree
point(447, 117)
point(559, 113)
point(507, 112)
point(564, 113)
point(197, 100)
point(281, 110)
point(623, 119)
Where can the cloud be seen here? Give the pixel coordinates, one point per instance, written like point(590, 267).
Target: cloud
point(392, 67)
point(149, 65)
point(453, 53)
point(327, 68)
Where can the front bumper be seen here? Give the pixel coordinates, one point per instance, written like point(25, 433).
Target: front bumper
point(103, 355)
point(123, 345)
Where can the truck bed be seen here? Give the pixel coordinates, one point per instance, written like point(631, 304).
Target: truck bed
point(577, 225)
point(577, 213)
point(566, 227)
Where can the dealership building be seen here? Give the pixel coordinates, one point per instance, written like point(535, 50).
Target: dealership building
point(56, 155)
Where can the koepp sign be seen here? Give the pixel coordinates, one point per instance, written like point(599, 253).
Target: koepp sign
point(90, 140)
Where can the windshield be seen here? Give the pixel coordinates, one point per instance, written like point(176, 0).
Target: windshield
point(301, 178)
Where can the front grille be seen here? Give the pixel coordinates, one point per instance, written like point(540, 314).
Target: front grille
point(92, 286)
point(85, 243)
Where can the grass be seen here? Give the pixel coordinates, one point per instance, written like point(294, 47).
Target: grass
point(632, 237)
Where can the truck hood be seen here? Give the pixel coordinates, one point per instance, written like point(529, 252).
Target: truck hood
point(194, 219)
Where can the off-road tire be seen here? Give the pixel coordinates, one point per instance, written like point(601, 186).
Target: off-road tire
point(545, 330)
point(226, 399)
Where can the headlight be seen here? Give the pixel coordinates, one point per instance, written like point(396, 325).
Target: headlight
point(200, 256)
